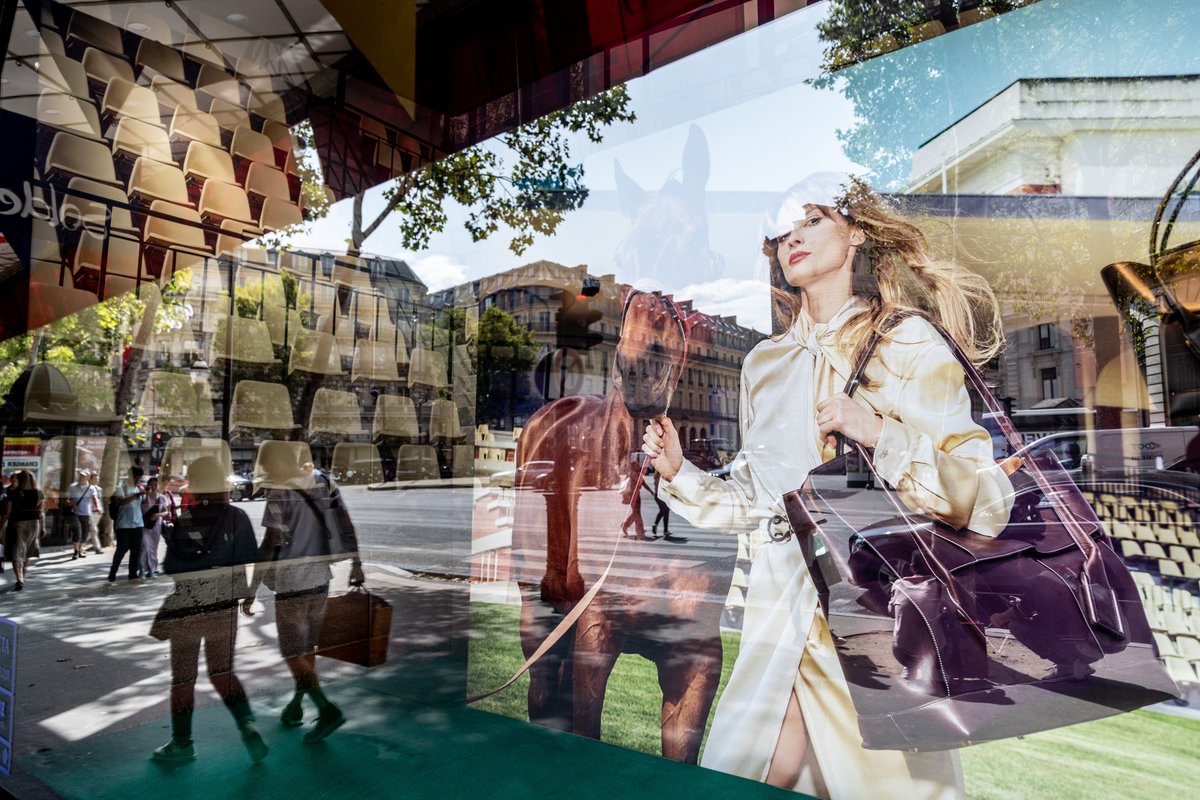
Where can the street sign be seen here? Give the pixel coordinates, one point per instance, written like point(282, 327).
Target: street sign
point(8, 673)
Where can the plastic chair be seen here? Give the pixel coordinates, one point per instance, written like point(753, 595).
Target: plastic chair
point(443, 420)
point(249, 147)
point(335, 412)
point(267, 105)
point(170, 400)
point(261, 406)
point(153, 181)
point(77, 210)
point(172, 95)
point(427, 368)
point(200, 52)
point(229, 116)
point(252, 74)
point(64, 112)
point(264, 181)
point(186, 233)
point(153, 59)
point(183, 451)
point(374, 361)
point(205, 162)
point(216, 83)
point(315, 352)
point(221, 201)
point(193, 126)
point(281, 139)
point(250, 342)
point(124, 98)
point(281, 465)
point(234, 235)
point(136, 139)
point(60, 74)
point(278, 214)
point(417, 462)
point(72, 156)
point(124, 255)
point(85, 31)
point(101, 67)
point(395, 415)
point(356, 464)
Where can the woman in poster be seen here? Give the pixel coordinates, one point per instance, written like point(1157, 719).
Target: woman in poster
point(843, 264)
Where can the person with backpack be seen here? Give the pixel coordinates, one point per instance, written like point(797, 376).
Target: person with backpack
point(307, 529)
point(208, 550)
point(126, 511)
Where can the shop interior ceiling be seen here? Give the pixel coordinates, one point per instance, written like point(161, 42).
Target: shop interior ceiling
point(435, 75)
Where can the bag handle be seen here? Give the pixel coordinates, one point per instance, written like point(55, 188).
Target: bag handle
point(1099, 600)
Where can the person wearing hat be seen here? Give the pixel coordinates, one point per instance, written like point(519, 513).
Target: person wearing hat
point(79, 500)
point(307, 529)
point(208, 550)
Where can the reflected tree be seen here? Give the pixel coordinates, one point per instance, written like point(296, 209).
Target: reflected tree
point(524, 180)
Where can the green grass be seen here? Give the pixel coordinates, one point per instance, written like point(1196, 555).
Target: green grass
point(1138, 755)
point(632, 705)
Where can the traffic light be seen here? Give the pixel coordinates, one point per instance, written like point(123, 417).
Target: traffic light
point(158, 444)
point(574, 319)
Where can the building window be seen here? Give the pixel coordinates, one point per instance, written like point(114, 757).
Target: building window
point(1047, 337)
point(1049, 383)
point(544, 320)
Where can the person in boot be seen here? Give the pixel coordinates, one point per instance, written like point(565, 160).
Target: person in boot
point(207, 553)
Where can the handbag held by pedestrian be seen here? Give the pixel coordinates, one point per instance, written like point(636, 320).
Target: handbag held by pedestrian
point(948, 637)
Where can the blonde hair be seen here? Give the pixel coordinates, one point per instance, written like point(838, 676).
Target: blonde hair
point(896, 274)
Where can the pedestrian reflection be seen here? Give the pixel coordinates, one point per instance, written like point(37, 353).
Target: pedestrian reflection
point(307, 529)
point(207, 553)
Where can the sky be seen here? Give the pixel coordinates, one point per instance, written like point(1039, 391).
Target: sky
point(766, 127)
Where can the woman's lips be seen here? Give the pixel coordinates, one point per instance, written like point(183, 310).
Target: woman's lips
point(797, 257)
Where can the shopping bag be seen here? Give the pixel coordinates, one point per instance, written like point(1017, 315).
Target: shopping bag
point(356, 629)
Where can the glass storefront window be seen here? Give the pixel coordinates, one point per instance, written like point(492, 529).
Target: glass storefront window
point(457, 374)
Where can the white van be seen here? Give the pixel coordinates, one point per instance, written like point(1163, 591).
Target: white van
point(1120, 449)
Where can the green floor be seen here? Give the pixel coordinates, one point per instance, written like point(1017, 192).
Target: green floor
point(391, 748)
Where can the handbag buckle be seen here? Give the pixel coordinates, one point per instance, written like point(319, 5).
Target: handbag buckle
point(779, 529)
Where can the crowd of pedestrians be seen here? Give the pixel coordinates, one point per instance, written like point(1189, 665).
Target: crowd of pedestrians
point(209, 543)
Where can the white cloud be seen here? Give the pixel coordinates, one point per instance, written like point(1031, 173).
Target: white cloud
point(748, 300)
point(439, 272)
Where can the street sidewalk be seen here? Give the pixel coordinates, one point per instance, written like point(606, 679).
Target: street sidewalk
point(91, 705)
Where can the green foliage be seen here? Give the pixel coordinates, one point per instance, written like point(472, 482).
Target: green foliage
point(528, 184)
point(501, 346)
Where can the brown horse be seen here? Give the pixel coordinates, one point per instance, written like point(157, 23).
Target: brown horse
point(663, 600)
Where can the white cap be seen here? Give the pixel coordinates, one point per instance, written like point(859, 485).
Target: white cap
point(819, 189)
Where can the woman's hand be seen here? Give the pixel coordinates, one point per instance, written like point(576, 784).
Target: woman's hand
point(661, 443)
point(840, 414)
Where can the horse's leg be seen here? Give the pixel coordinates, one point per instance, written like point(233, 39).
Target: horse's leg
point(562, 584)
point(688, 686)
point(546, 685)
point(597, 645)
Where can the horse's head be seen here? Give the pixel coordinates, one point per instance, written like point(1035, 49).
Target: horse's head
point(651, 353)
point(668, 235)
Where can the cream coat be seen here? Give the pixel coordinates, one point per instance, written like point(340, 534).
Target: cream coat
point(941, 463)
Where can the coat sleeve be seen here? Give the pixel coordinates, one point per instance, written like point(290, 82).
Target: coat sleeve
point(709, 502)
point(932, 450)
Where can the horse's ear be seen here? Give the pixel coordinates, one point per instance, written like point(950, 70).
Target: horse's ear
point(629, 194)
point(695, 164)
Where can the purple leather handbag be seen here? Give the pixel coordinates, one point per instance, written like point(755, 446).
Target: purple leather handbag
point(948, 637)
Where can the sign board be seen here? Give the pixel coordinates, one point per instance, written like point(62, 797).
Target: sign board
point(23, 452)
point(8, 672)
